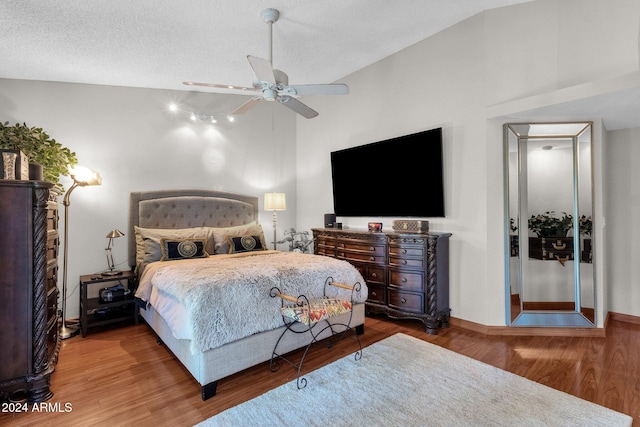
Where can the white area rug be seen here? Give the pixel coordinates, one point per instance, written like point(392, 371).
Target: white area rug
point(403, 381)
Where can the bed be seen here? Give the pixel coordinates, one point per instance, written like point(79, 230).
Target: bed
point(214, 312)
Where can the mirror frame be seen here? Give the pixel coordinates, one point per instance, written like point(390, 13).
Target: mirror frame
point(545, 318)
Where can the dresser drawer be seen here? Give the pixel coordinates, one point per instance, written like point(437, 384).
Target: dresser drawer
point(325, 241)
point(360, 257)
point(417, 263)
point(52, 338)
point(416, 240)
point(52, 303)
point(371, 275)
point(374, 275)
point(326, 251)
point(407, 251)
point(406, 280)
point(53, 241)
point(406, 301)
point(51, 281)
point(376, 294)
point(52, 216)
point(360, 246)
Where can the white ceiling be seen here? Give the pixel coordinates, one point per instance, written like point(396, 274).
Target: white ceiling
point(159, 44)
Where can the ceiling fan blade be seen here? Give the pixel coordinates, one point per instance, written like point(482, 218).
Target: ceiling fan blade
point(247, 105)
point(226, 88)
point(262, 69)
point(330, 89)
point(297, 106)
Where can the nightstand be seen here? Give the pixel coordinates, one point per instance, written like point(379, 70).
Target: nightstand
point(97, 311)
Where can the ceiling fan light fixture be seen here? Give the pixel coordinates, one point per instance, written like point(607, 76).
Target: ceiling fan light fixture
point(269, 94)
point(270, 15)
point(273, 84)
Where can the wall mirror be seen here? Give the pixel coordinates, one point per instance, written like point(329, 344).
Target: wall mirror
point(548, 216)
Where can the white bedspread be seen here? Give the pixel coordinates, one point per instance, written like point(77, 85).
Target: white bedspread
point(226, 297)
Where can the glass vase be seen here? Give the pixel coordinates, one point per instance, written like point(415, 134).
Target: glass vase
point(9, 162)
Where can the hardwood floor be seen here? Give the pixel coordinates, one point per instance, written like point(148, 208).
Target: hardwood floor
point(122, 377)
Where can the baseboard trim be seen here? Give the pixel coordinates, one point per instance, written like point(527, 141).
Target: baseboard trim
point(627, 318)
point(529, 330)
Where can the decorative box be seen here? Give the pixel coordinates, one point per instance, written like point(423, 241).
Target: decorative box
point(551, 248)
point(411, 226)
point(21, 165)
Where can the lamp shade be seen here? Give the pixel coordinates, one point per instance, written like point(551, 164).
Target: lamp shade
point(84, 176)
point(114, 234)
point(274, 202)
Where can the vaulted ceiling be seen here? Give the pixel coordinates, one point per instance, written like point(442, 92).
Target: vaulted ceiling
point(159, 44)
point(162, 43)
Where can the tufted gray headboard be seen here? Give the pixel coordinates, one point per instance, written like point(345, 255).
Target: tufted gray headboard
point(187, 208)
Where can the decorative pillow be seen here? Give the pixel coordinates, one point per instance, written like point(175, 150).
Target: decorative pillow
point(148, 248)
point(183, 249)
point(317, 310)
point(220, 236)
point(244, 244)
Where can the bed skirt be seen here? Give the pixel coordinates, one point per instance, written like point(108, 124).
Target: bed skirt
point(214, 364)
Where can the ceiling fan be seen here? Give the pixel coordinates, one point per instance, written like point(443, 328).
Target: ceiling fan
point(272, 84)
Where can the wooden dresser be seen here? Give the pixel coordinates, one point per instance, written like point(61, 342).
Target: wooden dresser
point(28, 289)
point(407, 274)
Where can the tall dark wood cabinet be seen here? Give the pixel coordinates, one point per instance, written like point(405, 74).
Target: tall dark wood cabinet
point(407, 274)
point(29, 339)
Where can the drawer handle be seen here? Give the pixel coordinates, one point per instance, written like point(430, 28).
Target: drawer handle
point(374, 275)
point(404, 251)
point(372, 258)
point(372, 249)
point(559, 247)
point(373, 294)
point(404, 280)
point(404, 261)
point(403, 300)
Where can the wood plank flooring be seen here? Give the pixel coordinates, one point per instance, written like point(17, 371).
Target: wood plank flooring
point(122, 377)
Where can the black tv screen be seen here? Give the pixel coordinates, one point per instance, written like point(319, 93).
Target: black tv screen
point(398, 177)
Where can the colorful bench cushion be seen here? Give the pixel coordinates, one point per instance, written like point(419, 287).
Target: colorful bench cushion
point(317, 310)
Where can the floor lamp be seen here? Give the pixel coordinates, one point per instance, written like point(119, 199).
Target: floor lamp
point(81, 178)
point(274, 202)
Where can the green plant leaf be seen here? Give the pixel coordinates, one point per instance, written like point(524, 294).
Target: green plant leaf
point(36, 144)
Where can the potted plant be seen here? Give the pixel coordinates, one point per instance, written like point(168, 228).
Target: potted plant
point(586, 225)
point(298, 242)
point(40, 148)
point(550, 225)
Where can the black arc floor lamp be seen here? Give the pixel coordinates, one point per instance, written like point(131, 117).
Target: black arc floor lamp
point(82, 177)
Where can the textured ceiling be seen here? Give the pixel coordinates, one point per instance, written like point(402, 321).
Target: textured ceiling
point(159, 44)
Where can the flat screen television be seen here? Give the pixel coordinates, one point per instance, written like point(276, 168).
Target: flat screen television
point(398, 177)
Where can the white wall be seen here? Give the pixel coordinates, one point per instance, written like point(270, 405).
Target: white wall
point(623, 212)
point(454, 80)
point(136, 144)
